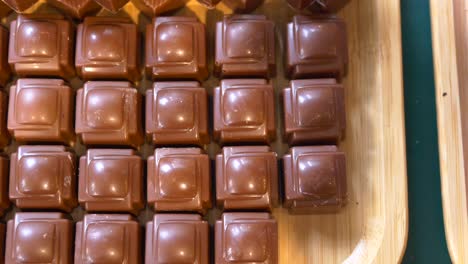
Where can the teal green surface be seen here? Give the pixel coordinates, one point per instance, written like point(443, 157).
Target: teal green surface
point(426, 238)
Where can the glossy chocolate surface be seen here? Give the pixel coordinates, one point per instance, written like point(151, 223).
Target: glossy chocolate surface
point(247, 178)
point(107, 48)
point(19, 5)
point(179, 180)
point(109, 113)
point(41, 45)
point(43, 177)
point(112, 5)
point(4, 135)
point(315, 180)
point(176, 49)
point(4, 200)
point(246, 238)
point(177, 238)
point(245, 46)
point(153, 8)
point(76, 8)
point(316, 47)
point(4, 66)
point(243, 6)
point(107, 238)
point(41, 110)
point(177, 113)
point(209, 3)
point(4, 9)
point(318, 5)
point(244, 111)
point(314, 111)
point(39, 238)
point(111, 180)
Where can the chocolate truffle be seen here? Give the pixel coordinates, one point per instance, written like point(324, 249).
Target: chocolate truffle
point(4, 66)
point(243, 6)
point(107, 238)
point(109, 113)
point(176, 49)
point(209, 3)
point(245, 46)
point(4, 201)
point(177, 113)
point(177, 238)
point(153, 8)
point(20, 5)
point(41, 110)
point(41, 45)
point(39, 238)
point(179, 180)
point(108, 48)
point(246, 238)
point(111, 180)
point(4, 136)
point(246, 178)
point(43, 177)
point(314, 180)
point(316, 47)
point(112, 5)
point(318, 5)
point(314, 111)
point(75, 8)
point(244, 111)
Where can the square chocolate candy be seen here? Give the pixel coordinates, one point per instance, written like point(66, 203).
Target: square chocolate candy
point(244, 111)
point(179, 180)
point(177, 113)
point(247, 178)
point(41, 110)
point(245, 46)
point(108, 48)
point(76, 8)
point(112, 5)
point(153, 8)
point(19, 5)
point(107, 238)
point(315, 179)
point(43, 177)
point(111, 180)
point(39, 238)
point(4, 200)
point(41, 45)
point(109, 113)
point(4, 135)
point(316, 47)
point(314, 111)
point(246, 238)
point(177, 238)
point(4, 66)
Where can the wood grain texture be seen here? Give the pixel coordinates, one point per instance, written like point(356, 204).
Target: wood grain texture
point(450, 48)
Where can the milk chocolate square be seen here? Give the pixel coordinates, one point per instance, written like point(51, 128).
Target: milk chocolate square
point(246, 178)
point(176, 49)
point(107, 238)
point(112, 5)
point(153, 8)
point(75, 8)
point(4, 66)
point(315, 179)
point(179, 180)
point(108, 48)
point(244, 111)
point(41, 110)
point(245, 46)
point(109, 113)
point(246, 238)
point(177, 238)
point(4, 200)
point(19, 5)
point(4, 135)
point(177, 113)
point(111, 180)
point(39, 238)
point(41, 45)
point(316, 47)
point(314, 111)
point(43, 177)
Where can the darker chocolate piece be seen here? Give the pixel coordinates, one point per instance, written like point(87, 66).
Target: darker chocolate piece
point(39, 238)
point(209, 3)
point(177, 238)
point(316, 47)
point(43, 177)
point(4, 11)
point(4, 201)
point(111, 180)
point(329, 6)
point(177, 113)
point(179, 180)
point(19, 5)
point(246, 178)
point(245, 46)
point(314, 111)
point(107, 238)
point(153, 8)
point(108, 48)
point(41, 45)
point(246, 238)
point(176, 49)
point(76, 8)
point(244, 111)
point(109, 113)
point(4, 135)
point(315, 180)
point(112, 5)
point(243, 6)
point(41, 110)
point(4, 66)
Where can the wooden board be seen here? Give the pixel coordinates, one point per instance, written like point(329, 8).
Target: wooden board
point(373, 227)
point(450, 47)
